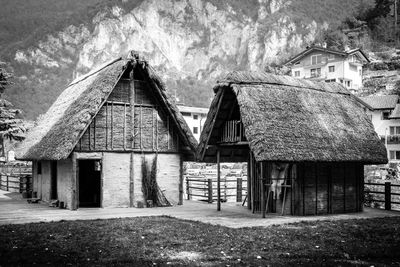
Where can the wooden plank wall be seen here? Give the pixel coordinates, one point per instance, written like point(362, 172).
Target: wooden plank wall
point(328, 188)
point(111, 129)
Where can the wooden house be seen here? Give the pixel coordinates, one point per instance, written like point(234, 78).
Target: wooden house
point(112, 138)
point(305, 142)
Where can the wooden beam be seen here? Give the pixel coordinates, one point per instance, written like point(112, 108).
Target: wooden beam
point(218, 181)
point(132, 104)
point(140, 127)
point(180, 181)
point(106, 104)
point(94, 133)
point(131, 181)
point(152, 129)
point(168, 131)
point(248, 182)
point(124, 130)
point(252, 179)
point(263, 209)
point(112, 125)
point(101, 182)
point(74, 183)
point(156, 129)
point(221, 95)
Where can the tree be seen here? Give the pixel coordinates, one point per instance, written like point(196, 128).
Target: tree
point(11, 126)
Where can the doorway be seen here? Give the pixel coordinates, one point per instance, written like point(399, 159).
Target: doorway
point(89, 183)
point(53, 180)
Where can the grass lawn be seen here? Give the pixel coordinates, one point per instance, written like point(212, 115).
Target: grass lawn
point(152, 241)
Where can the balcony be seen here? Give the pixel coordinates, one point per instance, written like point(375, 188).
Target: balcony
point(391, 139)
point(232, 132)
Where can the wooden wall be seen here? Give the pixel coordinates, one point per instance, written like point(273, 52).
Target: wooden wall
point(111, 129)
point(316, 189)
point(325, 188)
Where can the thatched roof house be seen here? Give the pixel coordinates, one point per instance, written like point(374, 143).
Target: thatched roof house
point(58, 131)
point(92, 139)
point(264, 119)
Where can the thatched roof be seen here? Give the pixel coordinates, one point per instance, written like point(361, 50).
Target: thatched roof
point(289, 119)
point(57, 132)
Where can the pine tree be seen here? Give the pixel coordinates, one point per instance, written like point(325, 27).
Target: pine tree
point(10, 125)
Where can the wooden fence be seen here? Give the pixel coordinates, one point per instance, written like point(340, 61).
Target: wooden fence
point(387, 193)
point(16, 183)
point(206, 189)
point(16, 177)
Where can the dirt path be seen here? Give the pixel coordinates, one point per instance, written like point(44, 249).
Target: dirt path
point(15, 210)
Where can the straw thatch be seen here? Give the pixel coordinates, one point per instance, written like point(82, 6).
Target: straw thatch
point(288, 119)
point(57, 132)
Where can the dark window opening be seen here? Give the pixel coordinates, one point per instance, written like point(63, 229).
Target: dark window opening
point(39, 167)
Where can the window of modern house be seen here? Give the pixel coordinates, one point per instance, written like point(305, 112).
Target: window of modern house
point(360, 72)
point(195, 117)
point(385, 115)
point(331, 56)
point(394, 154)
point(297, 73)
point(394, 130)
point(316, 72)
point(316, 59)
point(348, 83)
point(188, 114)
point(195, 130)
point(331, 68)
point(297, 63)
point(330, 80)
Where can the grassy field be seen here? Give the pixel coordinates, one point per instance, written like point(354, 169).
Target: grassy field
point(159, 241)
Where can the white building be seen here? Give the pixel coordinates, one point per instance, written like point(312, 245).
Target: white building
point(328, 65)
point(195, 117)
point(385, 116)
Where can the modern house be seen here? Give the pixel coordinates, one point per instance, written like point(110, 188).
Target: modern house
point(385, 115)
point(112, 138)
point(195, 118)
point(306, 142)
point(322, 64)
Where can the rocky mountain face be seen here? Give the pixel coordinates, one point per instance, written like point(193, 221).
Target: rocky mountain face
point(189, 42)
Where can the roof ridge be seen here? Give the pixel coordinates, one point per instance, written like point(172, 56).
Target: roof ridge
point(96, 70)
point(287, 85)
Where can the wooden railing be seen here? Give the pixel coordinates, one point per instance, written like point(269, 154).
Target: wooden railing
point(232, 132)
point(383, 193)
point(16, 177)
point(16, 183)
point(206, 189)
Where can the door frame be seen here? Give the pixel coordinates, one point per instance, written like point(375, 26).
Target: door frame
point(76, 156)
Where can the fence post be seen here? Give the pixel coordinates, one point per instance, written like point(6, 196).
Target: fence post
point(187, 188)
point(388, 199)
point(7, 182)
point(239, 190)
point(210, 191)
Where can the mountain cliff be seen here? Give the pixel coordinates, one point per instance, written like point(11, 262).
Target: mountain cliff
point(189, 42)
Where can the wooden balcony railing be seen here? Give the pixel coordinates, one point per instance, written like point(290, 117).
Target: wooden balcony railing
point(232, 132)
